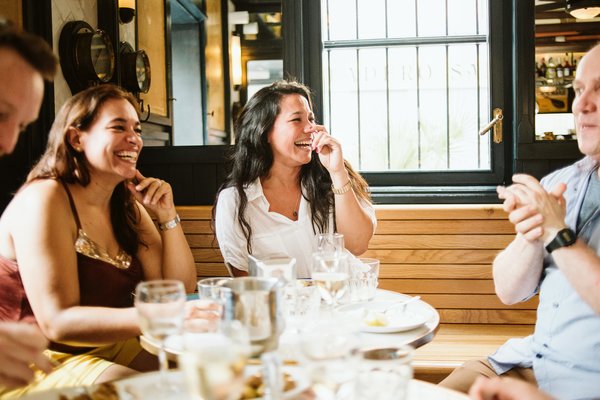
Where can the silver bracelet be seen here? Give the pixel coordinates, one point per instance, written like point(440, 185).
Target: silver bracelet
point(170, 224)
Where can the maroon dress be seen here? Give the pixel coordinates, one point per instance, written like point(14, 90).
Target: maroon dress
point(101, 284)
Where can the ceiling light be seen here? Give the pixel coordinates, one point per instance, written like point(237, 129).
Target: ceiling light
point(583, 9)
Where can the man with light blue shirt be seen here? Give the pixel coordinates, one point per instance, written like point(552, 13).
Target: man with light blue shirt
point(556, 254)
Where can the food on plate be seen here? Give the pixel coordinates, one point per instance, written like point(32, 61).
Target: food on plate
point(254, 386)
point(376, 318)
point(103, 391)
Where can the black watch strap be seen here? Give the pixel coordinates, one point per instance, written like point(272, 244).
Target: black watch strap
point(564, 237)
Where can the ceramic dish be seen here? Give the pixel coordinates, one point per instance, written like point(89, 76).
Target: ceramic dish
point(373, 319)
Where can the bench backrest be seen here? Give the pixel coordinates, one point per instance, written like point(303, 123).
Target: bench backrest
point(441, 252)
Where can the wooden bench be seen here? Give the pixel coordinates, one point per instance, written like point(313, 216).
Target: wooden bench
point(441, 252)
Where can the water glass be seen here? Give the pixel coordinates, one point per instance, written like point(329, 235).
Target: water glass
point(160, 305)
point(210, 288)
point(302, 301)
point(363, 282)
point(330, 272)
point(384, 373)
point(330, 242)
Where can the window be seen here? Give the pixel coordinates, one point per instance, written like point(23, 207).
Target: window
point(407, 84)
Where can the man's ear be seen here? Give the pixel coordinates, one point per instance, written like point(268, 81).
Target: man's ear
point(74, 138)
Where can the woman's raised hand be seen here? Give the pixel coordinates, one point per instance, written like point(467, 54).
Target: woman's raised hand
point(156, 196)
point(328, 149)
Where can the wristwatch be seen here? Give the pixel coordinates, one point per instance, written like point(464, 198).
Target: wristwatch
point(169, 224)
point(564, 237)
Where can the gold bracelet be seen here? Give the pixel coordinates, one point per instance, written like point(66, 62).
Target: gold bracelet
point(169, 224)
point(343, 189)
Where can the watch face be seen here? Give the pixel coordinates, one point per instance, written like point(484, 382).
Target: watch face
point(102, 56)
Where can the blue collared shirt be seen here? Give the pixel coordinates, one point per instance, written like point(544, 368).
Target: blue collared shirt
point(564, 349)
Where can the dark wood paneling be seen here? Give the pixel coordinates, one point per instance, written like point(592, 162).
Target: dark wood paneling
point(194, 172)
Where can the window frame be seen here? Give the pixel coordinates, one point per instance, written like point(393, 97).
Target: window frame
point(302, 24)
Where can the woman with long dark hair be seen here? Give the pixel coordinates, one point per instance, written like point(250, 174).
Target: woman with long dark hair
point(288, 182)
point(78, 237)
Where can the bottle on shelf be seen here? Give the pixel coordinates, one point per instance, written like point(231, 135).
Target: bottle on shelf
point(567, 67)
point(559, 71)
point(551, 70)
point(543, 68)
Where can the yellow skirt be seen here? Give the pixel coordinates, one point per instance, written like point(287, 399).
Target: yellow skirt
point(78, 369)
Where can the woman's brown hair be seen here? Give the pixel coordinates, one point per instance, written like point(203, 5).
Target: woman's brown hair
point(60, 160)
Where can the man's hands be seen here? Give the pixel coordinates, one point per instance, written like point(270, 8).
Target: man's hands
point(20, 346)
point(535, 213)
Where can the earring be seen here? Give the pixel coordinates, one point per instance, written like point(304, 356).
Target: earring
point(76, 171)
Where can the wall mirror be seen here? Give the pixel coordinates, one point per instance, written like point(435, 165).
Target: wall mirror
point(261, 47)
point(564, 31)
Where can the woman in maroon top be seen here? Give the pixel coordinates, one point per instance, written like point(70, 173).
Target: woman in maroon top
point(78, 237)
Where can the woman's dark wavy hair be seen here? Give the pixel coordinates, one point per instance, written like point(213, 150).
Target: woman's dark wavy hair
point(252, 158)
point(60, 161)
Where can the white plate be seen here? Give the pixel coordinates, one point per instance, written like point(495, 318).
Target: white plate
point(399, 320)
point(296, 373)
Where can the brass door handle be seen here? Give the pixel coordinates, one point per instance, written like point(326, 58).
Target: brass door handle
point(496, 123)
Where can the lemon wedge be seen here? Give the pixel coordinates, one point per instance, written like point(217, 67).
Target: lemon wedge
point(375, 318)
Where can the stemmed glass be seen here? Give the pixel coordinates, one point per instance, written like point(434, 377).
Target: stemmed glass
point(331, 273)
point(160, 305)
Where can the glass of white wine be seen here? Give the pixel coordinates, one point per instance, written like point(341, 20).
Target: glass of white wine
point(330, 272)
point(160, 305)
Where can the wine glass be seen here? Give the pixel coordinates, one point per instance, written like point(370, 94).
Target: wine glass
point(160, 305)
point(330, 272)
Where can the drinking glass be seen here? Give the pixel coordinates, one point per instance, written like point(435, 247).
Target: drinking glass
point(213, 362)
point(210, 294)
point(210, 288)
point(384, 373)
point(330, 242)
point(160, 306)
point(330, 272)
point(363, 280)
point(302, 302)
